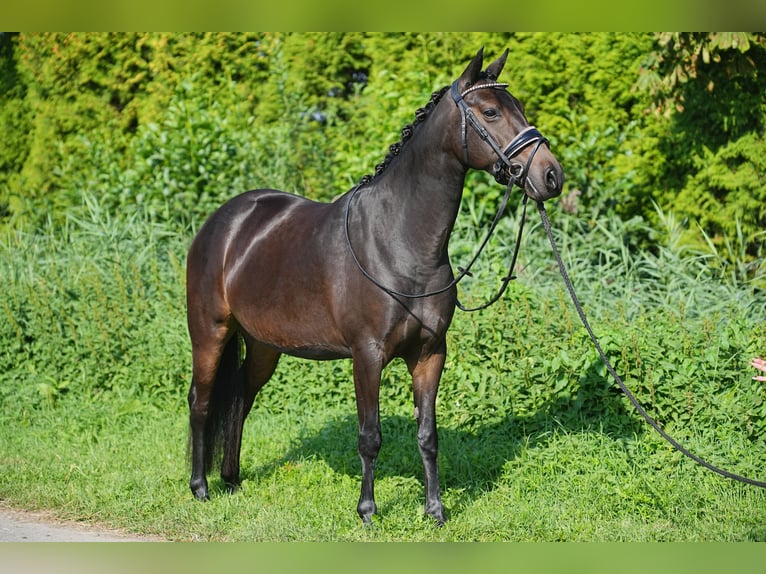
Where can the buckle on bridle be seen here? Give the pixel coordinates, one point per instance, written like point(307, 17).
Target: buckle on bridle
point(507, 172)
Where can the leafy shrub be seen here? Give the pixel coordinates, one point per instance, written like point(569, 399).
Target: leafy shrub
point(727, 194)
point(710, 89)
point(322, 109)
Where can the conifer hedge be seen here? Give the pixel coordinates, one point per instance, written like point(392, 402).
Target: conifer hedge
point(174, 124)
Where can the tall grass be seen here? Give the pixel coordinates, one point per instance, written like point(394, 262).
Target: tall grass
point(612, 261)
point(536, 444)
point(91, 307)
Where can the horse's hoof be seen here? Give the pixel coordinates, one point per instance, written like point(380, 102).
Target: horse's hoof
point(366, 510)
point(200, 494)
point(231, 487)
point(367, 519)
point(438, 517)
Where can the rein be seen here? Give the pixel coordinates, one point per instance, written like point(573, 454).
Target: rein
point(463, 271)
point(623, 387)
point(504, 172)
point(504, 169)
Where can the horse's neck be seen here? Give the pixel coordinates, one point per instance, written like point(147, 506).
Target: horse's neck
point(418, 198)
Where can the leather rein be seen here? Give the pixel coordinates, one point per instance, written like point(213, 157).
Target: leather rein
point(504, 171)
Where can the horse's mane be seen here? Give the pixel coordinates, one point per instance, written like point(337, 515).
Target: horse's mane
point(421, 114)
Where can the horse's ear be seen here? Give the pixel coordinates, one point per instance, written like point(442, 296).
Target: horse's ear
point(471, 73)
point(494, 69)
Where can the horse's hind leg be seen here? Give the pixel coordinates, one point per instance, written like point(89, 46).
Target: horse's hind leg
point(208, 347)
point(259, 365)
point(426, 373)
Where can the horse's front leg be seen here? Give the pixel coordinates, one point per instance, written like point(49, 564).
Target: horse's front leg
point(426, 372)
point(367, 370)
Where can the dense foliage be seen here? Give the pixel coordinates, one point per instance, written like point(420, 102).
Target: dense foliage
point(175, 123)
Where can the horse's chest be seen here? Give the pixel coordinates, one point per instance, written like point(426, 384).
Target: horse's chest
point(425, 322)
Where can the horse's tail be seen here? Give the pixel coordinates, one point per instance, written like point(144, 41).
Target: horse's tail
point(226, 401)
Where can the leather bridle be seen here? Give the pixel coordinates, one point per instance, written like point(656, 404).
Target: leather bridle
point(504, 170)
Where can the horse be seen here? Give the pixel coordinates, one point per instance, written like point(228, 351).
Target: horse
point(365, 277)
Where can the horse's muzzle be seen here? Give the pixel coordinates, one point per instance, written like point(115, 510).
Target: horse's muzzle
point(540, 185)
point(540, 180)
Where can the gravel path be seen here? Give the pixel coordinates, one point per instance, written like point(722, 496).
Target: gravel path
point(23, 526)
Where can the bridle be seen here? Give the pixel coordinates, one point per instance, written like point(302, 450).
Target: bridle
point(504, 171)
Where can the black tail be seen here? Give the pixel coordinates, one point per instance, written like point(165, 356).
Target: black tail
point(226, 401)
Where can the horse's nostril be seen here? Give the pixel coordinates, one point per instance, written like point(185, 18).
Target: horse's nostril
point(551, 181)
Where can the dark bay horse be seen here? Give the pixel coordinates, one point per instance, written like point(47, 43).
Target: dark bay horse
point(284, 274)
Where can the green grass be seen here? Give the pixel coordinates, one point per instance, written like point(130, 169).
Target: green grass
point(535, 443)
point(301, 481)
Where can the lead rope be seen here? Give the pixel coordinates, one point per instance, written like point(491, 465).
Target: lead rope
point(617, 378)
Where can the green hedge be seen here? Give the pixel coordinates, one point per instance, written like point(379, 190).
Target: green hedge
point(177, 123)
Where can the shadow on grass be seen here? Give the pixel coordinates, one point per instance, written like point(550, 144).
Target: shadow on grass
point(471, 459)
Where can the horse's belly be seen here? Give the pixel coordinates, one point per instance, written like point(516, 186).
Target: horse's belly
point(275, 286)
point(299, 336)
point(292, 314)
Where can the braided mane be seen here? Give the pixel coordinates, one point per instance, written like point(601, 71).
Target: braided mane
point(421, 114)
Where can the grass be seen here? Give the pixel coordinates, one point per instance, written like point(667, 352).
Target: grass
point(535, 443)
point(301, 482)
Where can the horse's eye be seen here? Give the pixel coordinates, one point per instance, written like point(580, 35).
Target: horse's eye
point(491, 113)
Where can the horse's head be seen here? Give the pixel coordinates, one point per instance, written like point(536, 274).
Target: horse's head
point(494, 134)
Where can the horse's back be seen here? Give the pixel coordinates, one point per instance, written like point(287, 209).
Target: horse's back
point(246, 218)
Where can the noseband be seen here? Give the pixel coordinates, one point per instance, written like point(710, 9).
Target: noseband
point(505, 171)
